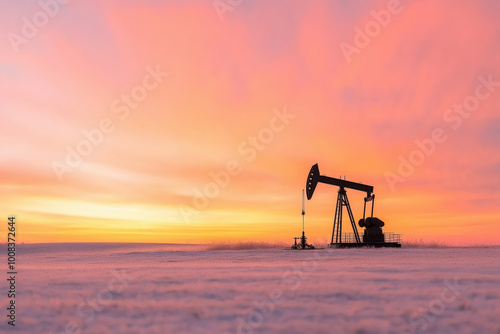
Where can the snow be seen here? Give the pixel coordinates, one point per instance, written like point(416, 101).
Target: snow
point(158, 288)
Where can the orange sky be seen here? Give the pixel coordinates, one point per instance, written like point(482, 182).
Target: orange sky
point(230, 73)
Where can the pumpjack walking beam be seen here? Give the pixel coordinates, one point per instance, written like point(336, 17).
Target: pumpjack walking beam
point(342, 200)
point(314, 178)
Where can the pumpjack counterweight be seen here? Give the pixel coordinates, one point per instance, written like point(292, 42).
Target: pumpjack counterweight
point(373, 235)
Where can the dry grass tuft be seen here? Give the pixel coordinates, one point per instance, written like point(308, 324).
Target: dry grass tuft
point(420, 243)
point(246, 245)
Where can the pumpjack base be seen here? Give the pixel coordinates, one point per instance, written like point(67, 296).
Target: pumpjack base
point(364, 244)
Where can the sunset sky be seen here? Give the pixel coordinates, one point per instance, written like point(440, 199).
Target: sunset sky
point(254, 94)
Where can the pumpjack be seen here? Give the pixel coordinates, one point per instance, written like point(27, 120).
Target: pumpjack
point(373, 235)
point(303, 240)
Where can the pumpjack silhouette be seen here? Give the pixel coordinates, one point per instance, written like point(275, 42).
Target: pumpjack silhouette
point(373, 235)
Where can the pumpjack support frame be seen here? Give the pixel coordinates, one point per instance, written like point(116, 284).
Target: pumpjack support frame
point(342, 201)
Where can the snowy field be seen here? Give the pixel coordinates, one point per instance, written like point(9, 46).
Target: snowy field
point(131, 288)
